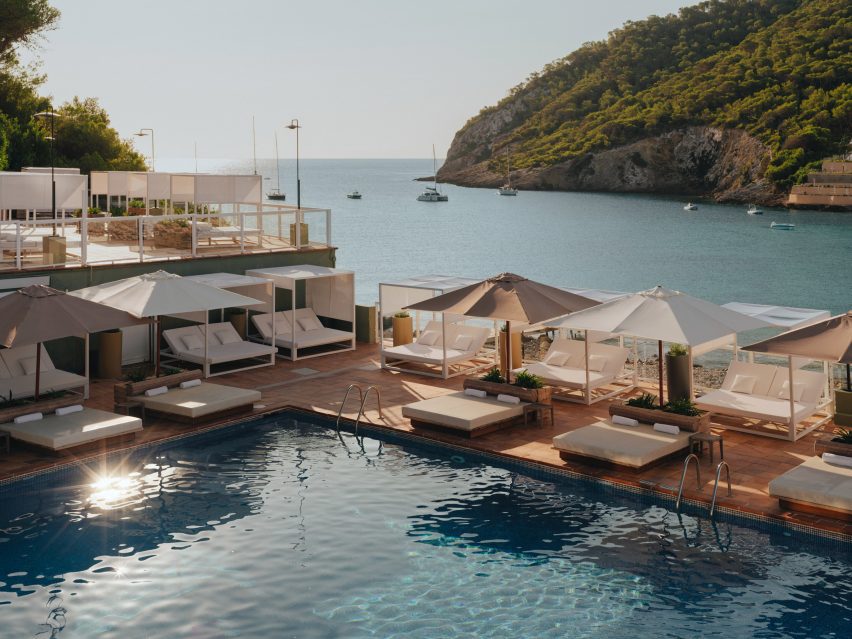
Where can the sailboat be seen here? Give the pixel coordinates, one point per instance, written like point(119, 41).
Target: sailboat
point(276, 194)
point(507, 189)
point(432, 194)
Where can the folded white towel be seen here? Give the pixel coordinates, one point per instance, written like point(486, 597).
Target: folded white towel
point(509, 399)
point(32, 417)
point(624, 421)
point(473, 392)
point(190, 383)
point(667, 428)
point(67, 410)
point(837, 460)
point(160, 390)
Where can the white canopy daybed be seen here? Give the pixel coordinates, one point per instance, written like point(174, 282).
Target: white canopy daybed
point(329, 295)
point(426, 353)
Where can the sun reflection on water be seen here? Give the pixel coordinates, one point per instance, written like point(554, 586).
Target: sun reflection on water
point(112, 492)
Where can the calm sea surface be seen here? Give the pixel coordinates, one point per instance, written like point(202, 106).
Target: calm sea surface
point(618, 242)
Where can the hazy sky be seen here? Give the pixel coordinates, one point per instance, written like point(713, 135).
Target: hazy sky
point(366, 78)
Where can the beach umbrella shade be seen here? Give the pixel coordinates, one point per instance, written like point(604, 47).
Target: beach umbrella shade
point(161, 293)
point(509, 298)
point(829, 340)
point(38, 314)
point(663, 315)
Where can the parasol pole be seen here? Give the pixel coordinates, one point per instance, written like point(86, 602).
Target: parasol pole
point(660, 364)
point(508, 352)
point(848, 377)
point(38, 370)
point(157, 338)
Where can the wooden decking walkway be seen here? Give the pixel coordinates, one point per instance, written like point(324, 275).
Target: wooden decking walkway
point(318, 385)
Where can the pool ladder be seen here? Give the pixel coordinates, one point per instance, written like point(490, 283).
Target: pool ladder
point(722, 464)
point(363, 395)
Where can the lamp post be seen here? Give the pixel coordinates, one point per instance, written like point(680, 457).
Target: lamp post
point(294, 124)
point(50, 114)
point(142, 133)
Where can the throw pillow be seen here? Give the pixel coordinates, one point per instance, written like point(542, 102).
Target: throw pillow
point(28, 365)
point(192, 342)
point(798, 389)
point(428, 338)
point(462, 342)
point(743, 384)
point(309, 323)
point(597, 363)
point(228, 337)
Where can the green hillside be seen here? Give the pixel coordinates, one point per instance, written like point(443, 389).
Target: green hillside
point(776, 69)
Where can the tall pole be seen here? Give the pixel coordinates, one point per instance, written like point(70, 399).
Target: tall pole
point(52, 115)
point(294, 124)
point(142, 134)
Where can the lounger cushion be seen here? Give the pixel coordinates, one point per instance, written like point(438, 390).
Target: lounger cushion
point(200, 401)
point(462, 412)
point(564, 376)
point(426, 354)
point(57, 432)
point(752, 406)
point(632, 446)
point(50, 381)
point(763, 375)
point(816, 482)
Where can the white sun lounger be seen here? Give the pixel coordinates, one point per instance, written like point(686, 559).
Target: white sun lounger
point(209, 232)
point(632, 447)
point(224, 345)
point(606, 366)
point(199, 402)
point(61, 432)
point(463, 414)
point(17, 374)
point(394, 357)
point(813, 486)
point(318, 335)
point(766, 400)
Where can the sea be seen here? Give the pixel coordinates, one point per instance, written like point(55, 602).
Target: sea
point(619, 242)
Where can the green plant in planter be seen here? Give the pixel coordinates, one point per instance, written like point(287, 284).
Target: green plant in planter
point(94, 210)
point(493, 376)
point(645, 400)
point(678, 350)
point(117, 211)
point(401, 315)
point(527, 380)
point(136, 204)
point(682, 406)
point(843, 435)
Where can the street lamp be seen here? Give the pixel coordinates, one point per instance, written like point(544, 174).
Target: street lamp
point(294, 124)
point(50, 114)
point(142, 133)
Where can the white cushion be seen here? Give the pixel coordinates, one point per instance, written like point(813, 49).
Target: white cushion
point(190, 383)
point(743, 384)
point(837, 460)
point(666, 428)
point(462, 342)
point(32, 417)
point(429, 338)
point(474, 392)
point(557, 358)
point(309, 323)
point(597, 363)
point(192, 342)
point(509, 399)
point(798, 389)
point(28, 365)
point(624, 421)
point(67, 410)
point(153, 392)
point(228, 337)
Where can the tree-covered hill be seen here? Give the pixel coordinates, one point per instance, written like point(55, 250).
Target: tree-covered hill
point(83, 135)
point(776, 70)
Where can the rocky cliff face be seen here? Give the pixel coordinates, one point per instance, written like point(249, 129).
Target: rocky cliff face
point(725, 164)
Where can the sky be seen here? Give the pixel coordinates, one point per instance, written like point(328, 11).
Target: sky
point(365, 78)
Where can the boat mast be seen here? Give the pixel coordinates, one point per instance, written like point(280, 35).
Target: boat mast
point(277, 163)
point(508, 170)
point(253, 146)
point(434, 168)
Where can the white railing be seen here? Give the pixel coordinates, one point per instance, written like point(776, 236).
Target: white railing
point(82, 241)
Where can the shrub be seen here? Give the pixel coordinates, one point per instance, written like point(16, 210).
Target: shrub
point(136, 204)
point(682, 406)
point(843, 435)
point(528, 380)
point(401, 314)
point(678, 350)
point(494, 376)
point(645, 400)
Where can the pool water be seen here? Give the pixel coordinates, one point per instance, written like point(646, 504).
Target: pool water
point(282, 529)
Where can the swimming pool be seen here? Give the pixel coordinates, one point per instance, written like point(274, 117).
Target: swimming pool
point(280, 529)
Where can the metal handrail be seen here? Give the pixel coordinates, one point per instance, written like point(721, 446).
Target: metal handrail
point(716, 485)
point(364, 401)
point(688, 459)
point(343, 404)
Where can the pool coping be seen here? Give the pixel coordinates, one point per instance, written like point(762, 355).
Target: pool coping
point(661, 494)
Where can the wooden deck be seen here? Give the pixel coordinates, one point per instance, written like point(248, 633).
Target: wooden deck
point(318, 385)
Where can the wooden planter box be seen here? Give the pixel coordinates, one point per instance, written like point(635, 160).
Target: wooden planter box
point(403, 330)
point(45, 406)
point(536, 395)
point(697, 424)
point(825, 445)
point(172, 237)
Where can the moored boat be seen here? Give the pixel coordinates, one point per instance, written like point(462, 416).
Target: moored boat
point(690, 207)
point(782, 226)
point(354, 195)
point(432, 194)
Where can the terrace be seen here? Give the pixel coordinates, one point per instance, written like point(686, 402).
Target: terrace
point(754, 461)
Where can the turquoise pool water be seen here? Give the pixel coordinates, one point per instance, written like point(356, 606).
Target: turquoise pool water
point(281, 529)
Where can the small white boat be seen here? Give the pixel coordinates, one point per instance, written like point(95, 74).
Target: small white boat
point(753, 210)
point(507, 188)
point(782, 226)
point(354, 195)
point(276, 193)
point(432, 194)
point(690, 207)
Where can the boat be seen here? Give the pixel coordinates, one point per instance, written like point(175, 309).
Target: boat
point(782, 226)
point(690, 207)
point(276, 194)
point(507, 189)
point(432, 194)
point(753, 210)
point(354, 195)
